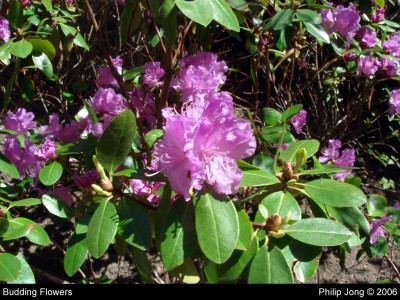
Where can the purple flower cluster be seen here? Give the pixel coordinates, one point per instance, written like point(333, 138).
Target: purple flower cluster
point(4, 29)
point(370, 65)
point(377, 230)
point(342, 20)
point(105, 77)
point(345, 160)
point(394, 102)
point(152, 74)
point(378, 15)
point(85, 181)
point(107, 102)
point(147, 189)
point(367, 37)
point(20, 122)
point(299, 121)
point(392, 45)
point(47, 151)
point(201, 144)
point(66, 133)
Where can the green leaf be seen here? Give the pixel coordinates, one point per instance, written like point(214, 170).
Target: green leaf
point(26, 202)
point(269, 266)
point(179, 241)
point(351, 217)
point(245, 230)
point(134, 224)
point(43, 63)
point(326, 170)
point(244, 166)
point(291, 111)
point(282, 204)
point(318, 32)
point(116, 141)
point(319, 232)
point(289, 154)
point(42, 45)
point(380, 3)
point(282, 19)
point(187, 272)
point(76, 254)
point(142, 264)
point(334, 193)
point(68, 30)
point(217, 226)
point(15, 14)
point(264, 162)
point(16, 230)
point(152, 136)
point(273, 134)
point(7, 167)
point(309, 16)
point(232, 269)
point(131, 18)
point(376, 205)
point(57, 206)
point(10, 266)
point(25, 275)
point(102, 228)
point(83, 224)
point(224, 15)
point(271, 116)
point(80, 41)
point(51, 173)
point(21, 49)
point(257, 178)
point(48, 5)
point(36, 234)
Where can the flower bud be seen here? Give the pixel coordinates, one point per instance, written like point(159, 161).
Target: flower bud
point(3, 212)
point(273, 222)
point(106, 185)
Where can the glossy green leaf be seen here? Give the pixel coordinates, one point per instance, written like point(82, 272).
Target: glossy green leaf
point(282, 204)
point(351, 217)
point(21, 49)
point(282, 19)
point(142, 264)
point(76, 254)
point(376, 205)
point(264, 162)
point(291, 111)
point(80, 41)
point(51, 173)
point(272, 134)
point(7, 167)
point(380, 3)
point(25, 275)
point(102, 228)
point(57, 206)
point(245, 230)
point(36, 234)
point(152, 136)
point(43, 45)
point(15, 14)
point(131, 18)
point(16, 230)
point(179, 241)
point(134, 224)
point(257, 178)
point(82, 224)
point(326, 170)
point(318, 32)
point(289, 154)
point(319, 232)
point(43, 63)
point(217, 226)
point(48, 5)
point(245, 166)
point(26, 202)
point(187, 272)
point(309, 16)
point(271, 116)
point(334, 193)
point(269, 266)
point(116, 141)
point(10, 266)
point(4, 224)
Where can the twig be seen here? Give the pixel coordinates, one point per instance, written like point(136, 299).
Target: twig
point(48, 276)
point(393, 266)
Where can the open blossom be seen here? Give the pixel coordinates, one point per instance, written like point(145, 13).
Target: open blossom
point(367, 65)
point(367, 36)
point(85, 181)
point(47, 151)
point(394, 102)
point(20, 122)
point(106, 101)
point(4, 29)
point(392, 45)
point(378, 15)
point(105, 77)
point(202, 145)
point(66, 133)
point(388, 66)
point(152, 73)
point(377, 230)
point(147, 189)
point(345, 160)
point(299, 121)
point(200, 75)
point(342, 20)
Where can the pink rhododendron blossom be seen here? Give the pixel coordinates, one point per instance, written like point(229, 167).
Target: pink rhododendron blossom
point(378, 15)
point(144, 101)
point(105, 77)
point(85, 181)
point(367, 36)
point(47, 151)
point(106, 101)
point(331, 152)
point(201, 74)
point(342, 20)
point(202, 145)
point(377, 230)
point(394, 102)
point(388, 66)
point(299, 121)
point(23, 159)
point(392, 45)
point(67, 133)
point(97, 129)
point(4, 29)
point(152, 73)
point(350, 55)
point(147, 189)
point(20, 122)
point(367, 65)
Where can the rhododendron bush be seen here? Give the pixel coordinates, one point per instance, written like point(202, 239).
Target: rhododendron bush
point(219, 135)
